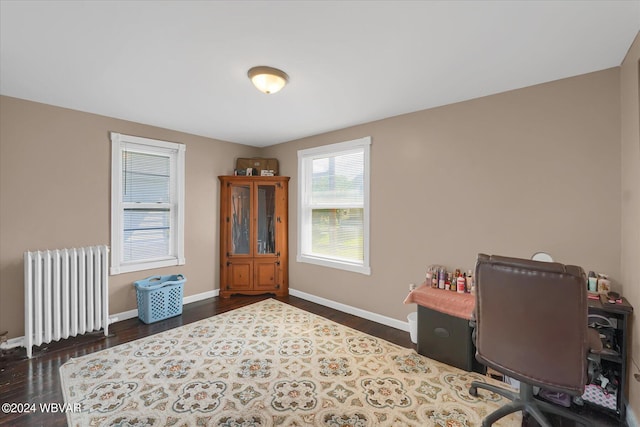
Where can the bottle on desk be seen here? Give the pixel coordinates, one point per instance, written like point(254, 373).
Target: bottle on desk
point(592, 281)
point(461, 284)
point(441, 278)
point(604, 284)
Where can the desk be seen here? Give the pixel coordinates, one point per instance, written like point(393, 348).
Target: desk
point(444, 333)
point(447, 302)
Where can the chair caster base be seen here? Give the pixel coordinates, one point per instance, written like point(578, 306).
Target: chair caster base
point(473, 391)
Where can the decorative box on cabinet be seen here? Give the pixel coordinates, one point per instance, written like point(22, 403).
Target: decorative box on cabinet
point(253, 235)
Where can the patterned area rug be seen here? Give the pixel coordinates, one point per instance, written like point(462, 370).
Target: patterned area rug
point(270, 364)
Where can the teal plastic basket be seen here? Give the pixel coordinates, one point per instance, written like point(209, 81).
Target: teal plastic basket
point(159, 297)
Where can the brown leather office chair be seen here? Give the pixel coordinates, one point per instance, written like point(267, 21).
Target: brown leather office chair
point(531, 325)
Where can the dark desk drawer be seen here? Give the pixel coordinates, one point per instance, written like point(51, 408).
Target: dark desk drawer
point(446, 339)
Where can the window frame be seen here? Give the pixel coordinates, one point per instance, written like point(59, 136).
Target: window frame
point(305, 157)
point(176, 153)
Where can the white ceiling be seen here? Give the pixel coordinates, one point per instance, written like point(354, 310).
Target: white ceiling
point(182, 64)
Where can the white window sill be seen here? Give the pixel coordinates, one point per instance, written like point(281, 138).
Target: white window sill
point(128, 268)
point(332, 263)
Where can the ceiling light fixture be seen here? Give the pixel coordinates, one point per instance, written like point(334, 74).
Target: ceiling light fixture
point(268, 79)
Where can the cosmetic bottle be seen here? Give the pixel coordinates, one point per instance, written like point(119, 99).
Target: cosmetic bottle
point(461, 284)
point(471, 283)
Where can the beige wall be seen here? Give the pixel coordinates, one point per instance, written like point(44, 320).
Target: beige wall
point(514, 173)
point(630, 137)
point(55, 193)
point(532, 169)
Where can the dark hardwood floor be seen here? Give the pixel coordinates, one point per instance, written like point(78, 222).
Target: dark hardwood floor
point(37, 380)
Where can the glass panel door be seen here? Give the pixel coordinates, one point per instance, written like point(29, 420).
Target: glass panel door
point(266, 219)
point(240, 219)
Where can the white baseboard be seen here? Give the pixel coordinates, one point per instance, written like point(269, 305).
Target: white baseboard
point(632, 420)
point(130, 314)
point(117, 317)
point(388, 321)
point(201, 296)
point(12, 342)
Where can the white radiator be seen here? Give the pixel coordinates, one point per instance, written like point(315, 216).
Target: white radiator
point(66, 293)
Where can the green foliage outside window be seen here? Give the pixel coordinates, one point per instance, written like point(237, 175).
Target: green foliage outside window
point(338, 232)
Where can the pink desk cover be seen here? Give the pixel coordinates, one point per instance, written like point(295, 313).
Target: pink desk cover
point(448, 302)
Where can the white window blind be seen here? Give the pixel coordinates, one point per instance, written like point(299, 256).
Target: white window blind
point(147, 229)
point(334, 205)
point(147, 203)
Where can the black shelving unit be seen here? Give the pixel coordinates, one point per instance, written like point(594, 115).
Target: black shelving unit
point(614, 360)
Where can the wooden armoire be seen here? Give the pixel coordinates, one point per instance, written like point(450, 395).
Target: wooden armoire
point(253, 235)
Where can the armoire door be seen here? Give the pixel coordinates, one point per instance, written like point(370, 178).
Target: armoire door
point(239, 219)
point(253, 235)
point(240, 274)
point(266, 274)
point(266, 261)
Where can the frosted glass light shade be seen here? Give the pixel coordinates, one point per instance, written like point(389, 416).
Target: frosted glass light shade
point(268, 79)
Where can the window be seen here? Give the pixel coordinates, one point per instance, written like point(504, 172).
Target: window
point(333, 194)
point(147, 203)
